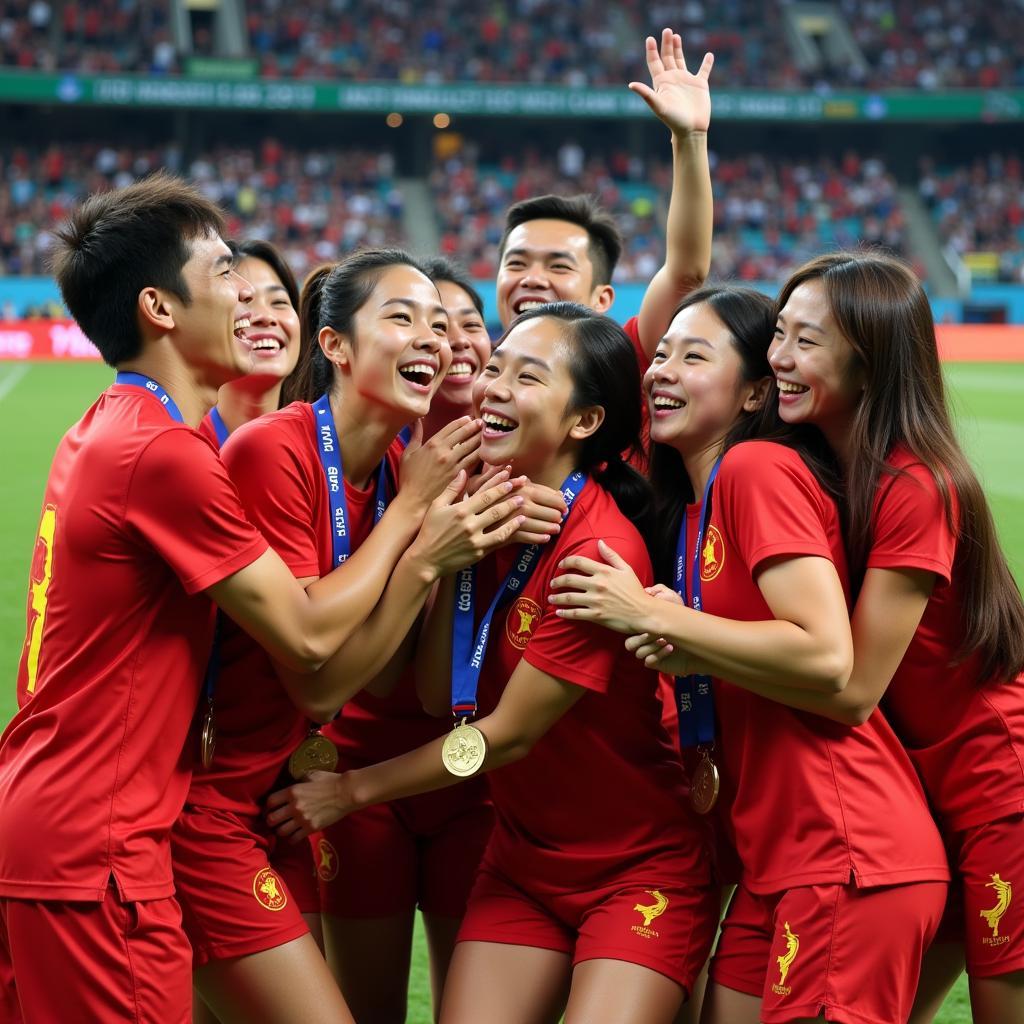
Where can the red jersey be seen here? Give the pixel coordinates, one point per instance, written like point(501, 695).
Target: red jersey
point(603, 787)
point(807, 801)
point(964, 734)
point(139, 517)
point(275, 463)
point(209, 431)
point(641, 459)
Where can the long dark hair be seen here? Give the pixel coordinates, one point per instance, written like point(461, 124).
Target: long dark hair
point(257, 249)
point(749, 317)
point(604, 373)
point(440, 268)
point(881, 309)
point(331, 297)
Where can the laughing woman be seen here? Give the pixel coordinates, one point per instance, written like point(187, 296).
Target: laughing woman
point(939, 623)
point(594, 894)
point(843, 872)
point(317, 477)
point(421, 852)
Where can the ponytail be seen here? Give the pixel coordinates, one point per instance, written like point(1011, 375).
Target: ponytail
point(331, 297)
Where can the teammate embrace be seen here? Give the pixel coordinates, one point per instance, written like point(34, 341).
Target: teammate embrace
point(811, 544)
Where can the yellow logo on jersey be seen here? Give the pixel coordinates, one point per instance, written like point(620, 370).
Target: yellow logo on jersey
point(1004, 896)
point(327, 867)
point(650, 912)
point(712, 555)
point(42, 572)
point(268, 890)
point(520, 622)
point(786, 961)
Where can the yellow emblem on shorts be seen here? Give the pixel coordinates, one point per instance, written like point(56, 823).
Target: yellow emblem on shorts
point(520, 622)
point(269, 890)
point(650, 912)
point(786, 961)
point(712, 555)
point(1004, 896)
point(327, 862)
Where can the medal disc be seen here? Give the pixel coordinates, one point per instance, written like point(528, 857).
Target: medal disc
point(704, 786)
point(464, 750)
point(315, 753)
point(208, 738)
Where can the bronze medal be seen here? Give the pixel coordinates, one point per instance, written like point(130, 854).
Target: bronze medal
point(208, 738)
point(464, 750)
point(704, 785)
point(315, 753)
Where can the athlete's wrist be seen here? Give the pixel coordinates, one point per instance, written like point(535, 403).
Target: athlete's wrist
point(423, 569)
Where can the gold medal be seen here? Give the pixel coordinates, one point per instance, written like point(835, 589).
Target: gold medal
point(315, 753)
point(704, 785)
point(208, 737)
point(464, 750)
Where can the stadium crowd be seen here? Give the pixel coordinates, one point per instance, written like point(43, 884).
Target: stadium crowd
point(939, 44)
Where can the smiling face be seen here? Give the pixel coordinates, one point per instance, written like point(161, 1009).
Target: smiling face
point(209, 331)
point(818, 374)
point(523, 397)
point(695, 385)
point(547, 261)
point(273, 333)
point(470, 344)
point(398, 352)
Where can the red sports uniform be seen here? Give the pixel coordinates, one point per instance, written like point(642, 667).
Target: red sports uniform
point(964, 734)
point(641, 458)
point(594, 852)
point(233, 896)
point(139, 517)
point(825, 818)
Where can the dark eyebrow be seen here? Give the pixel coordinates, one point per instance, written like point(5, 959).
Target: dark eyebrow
point(557, 254)
point(435, 309)
point(225, 259)
point(525, 360)
point(803, 323)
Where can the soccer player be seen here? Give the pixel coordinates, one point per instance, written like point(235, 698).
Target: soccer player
point(140, 528)
point(938, 625)
point(422, 851)
point(273, 338)
point(319, 480)
point(594, 894)
point(565, 248)
point(843, 872)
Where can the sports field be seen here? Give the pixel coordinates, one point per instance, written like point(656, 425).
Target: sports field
point(38, 401)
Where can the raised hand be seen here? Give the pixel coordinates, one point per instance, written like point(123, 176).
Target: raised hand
point(681, 100)
point(456, 532)
point(429, 467)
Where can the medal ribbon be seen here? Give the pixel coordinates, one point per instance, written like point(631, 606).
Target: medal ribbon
point(694, 700)
point(469, 646)
point(220, 428)
point(330, 459)
point(139, 380)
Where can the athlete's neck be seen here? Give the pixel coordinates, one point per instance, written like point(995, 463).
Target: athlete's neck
point(441, 414)
point(554, 474)
point(699, 465)
point(364, 435)
point(193, 399)
point(246, 399)
point(840, 439)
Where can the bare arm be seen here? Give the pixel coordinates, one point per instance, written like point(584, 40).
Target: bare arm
point(434, 653)
point(530, 705)
point(683, 102)
point(808, 643)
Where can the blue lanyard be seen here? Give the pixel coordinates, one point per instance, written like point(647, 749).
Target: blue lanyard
point(330, 459)
point(694, 700)
point(220, 428)
point(469, 646)
point(139, 380)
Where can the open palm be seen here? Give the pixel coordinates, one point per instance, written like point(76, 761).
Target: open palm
point(681, 100)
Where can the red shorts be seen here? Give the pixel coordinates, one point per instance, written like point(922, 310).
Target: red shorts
point(852, 954)
point(983, 911)
point(419, 852)
point(650, 920)
point(233, 900)
point(99, 963)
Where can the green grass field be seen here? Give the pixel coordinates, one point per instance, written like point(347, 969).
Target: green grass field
point(39, 401)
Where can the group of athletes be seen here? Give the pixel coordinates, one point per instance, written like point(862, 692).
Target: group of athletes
point(319, 561)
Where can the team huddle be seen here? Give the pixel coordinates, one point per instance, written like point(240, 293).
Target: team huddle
point(339, 610)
